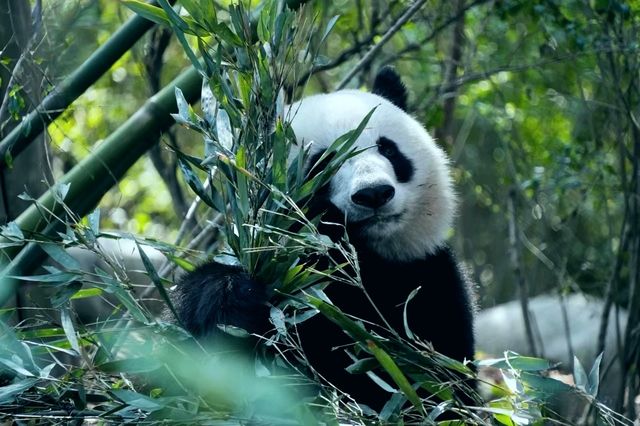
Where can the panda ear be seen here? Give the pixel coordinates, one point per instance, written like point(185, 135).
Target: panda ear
point(389, 85)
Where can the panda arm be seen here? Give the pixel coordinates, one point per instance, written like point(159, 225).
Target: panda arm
point(215, 294)
point(449, 298)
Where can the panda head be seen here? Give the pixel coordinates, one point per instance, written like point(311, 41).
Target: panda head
point(396, 194)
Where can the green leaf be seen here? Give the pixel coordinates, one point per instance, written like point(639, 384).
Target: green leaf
point(194, 183)
point(223, 130)
point(328, 28)
point(147, 11)
point(594, 377)
point(334, 314)
point(181, 27)
point(234, 331)
point(405, 319)
point(173, 16)
point(396, 374)
point(392, 406)
point(94, 221)
point(60, 255)
point(64, 294)
point(223, 33)
point(18, 368)
point(86, 293)
point(114, 286)
point(182, 263)
point(137, 400)
point(9, 392)
point(57, 277)
point(155, 278)
point(579, 375)
point(131, 366)
point(8, 159)
point(185, 115)
point(277, 319)
point(12, 230)
point(69, 329)
point(363, 365)
point(440, 409)
point(544, 386)
point(241, 181)
point(515, 361)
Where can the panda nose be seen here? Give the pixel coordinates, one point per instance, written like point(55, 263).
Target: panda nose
point(374, 196)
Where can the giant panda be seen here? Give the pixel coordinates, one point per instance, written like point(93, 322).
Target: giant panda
point(396, 202)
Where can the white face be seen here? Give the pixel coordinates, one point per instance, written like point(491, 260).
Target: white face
point(398, 190)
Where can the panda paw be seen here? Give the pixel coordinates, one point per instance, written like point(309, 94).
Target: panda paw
point(216, 295)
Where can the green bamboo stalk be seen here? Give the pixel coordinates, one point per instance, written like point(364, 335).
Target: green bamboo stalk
point(72, 87)
point(91, 178)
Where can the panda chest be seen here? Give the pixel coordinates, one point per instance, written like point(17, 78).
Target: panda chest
point(388, 285)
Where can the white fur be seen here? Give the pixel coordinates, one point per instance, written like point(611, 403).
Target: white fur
point(421, 210)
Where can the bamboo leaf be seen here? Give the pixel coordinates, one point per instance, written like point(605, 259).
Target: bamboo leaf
point(223, 130)
point(9, 392)
point(405, 319)
point(182, 263)
point(131, 365)
point(209, 104)
point(594, 377)
point(147, 11)
point(86, 293)
point(518, 362)
point(579, 375)
point(115, 287)
point(155, 278)
point(56, 277)
point(181, 27)
point(60, 255)
point(328, 28)
point(137, 400)
point(94, 221)
point(396, 374)
point(12, 230)
point(277, 319)
point(69, 329)
point(66, 293)
point(363, 365)
point(194, 183)
point(334, 314)
point(15, 364)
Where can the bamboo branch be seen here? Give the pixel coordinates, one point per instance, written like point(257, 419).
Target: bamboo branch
point(385, 38)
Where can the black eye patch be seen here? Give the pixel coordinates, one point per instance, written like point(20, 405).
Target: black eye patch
point(313, 167)
point(402, 166)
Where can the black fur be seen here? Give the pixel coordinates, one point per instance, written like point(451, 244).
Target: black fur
point(389, 85)
point(441, 313)
point(216, 294)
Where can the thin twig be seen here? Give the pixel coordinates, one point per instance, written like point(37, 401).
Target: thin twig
point(385, 38)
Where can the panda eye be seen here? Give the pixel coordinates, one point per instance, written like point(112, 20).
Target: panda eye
point(387, 148)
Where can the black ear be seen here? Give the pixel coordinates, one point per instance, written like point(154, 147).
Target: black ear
point(389, 85)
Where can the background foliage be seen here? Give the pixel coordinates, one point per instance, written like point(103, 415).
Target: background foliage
point(535, 101)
